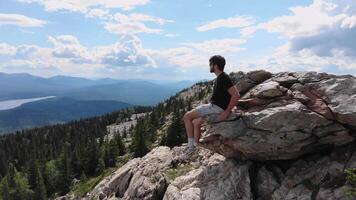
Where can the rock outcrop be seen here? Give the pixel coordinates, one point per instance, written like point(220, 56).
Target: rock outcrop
point(286, 115)
point(166, 173)
point(291, 137)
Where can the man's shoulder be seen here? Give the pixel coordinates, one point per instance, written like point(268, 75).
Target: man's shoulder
point(224, 76)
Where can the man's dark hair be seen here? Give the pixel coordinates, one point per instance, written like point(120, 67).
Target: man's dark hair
point(219, 61)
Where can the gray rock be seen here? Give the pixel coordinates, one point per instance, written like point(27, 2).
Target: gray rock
point(218, 179)
point(266, 183)
point(205, 175)
point(277, 123)
point(340, 95)
point(246, 82)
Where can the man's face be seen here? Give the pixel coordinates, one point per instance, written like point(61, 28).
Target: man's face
point(211, 67)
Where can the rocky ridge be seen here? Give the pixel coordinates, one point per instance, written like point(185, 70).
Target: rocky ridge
point(291, 137)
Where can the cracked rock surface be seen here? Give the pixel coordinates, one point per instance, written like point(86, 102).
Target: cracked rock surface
point(286, 116)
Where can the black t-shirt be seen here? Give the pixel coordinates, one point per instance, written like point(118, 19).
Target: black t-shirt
point(221, 97)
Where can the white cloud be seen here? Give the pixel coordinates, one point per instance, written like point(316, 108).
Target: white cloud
point(196, 55)
point(220, 46)
point(84, 6)
point(68, 56)
point(282, 59)
point(248, 32)
point(138, 17)
point(117, 23)
point(130, 28)
point(304, 21)
point(6, 49)
point(319, 37)
point(20, 20)
point(179, 57)
point(25, 51)
point(133, 23)
point(232, 22)
point(125, 53)
point(326, 28)
point(100, 13)
point(68, 46)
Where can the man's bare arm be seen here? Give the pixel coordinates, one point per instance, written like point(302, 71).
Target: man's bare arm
point(235, 96)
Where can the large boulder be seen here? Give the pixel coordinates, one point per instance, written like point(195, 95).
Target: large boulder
point(286, 116)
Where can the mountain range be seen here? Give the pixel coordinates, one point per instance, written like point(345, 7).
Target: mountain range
point(75, 97)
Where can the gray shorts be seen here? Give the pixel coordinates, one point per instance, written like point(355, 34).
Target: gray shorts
point(209, 108)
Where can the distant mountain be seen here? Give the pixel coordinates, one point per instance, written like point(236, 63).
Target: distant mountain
point(76, 97)
point(71, 81)
point(21, 85)
point(54, 110)
point(134, 92)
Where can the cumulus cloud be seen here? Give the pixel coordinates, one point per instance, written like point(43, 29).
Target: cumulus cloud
point(281, 59)
point(232, 22)
point(319, 37)
point(24, 51)
point(20, 20)
point(84, 6)
point(125, 53)
point(326, 28)
point(139, 17)
point(196, 55)
point(6, 49)
point(68, 46)
point(134, 23)
point(130, 28)
point(117, 23)
point(99, 13)
point(68, 56)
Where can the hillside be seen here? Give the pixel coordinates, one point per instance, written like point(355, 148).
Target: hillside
point(134, 92)
point(76, 98)
point(22, 85)
point(53, 111)
point(291, 137)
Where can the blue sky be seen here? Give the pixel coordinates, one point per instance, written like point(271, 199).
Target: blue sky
point(161, 40)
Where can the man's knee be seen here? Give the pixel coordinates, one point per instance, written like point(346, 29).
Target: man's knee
point(190, 115)
point(198, 122)
point(187, 116)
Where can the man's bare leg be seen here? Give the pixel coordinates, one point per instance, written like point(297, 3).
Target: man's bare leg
point(197, 124)
point(188, 118)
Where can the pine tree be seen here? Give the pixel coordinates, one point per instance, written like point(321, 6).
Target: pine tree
point(124, 133)
point(139, 146)
point(83, 177)
point(65, 170)
point(40, 188)
point(101, 166)
point(18, 184)
point(113, 152)
point(4, 189)
point(3, 164)
point(119, 145)
point(175, 132)
point(32, 174)
point(51, 177)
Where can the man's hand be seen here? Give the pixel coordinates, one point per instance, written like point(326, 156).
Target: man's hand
point(224, 115)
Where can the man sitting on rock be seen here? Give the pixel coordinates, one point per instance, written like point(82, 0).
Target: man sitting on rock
point(224, 98)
